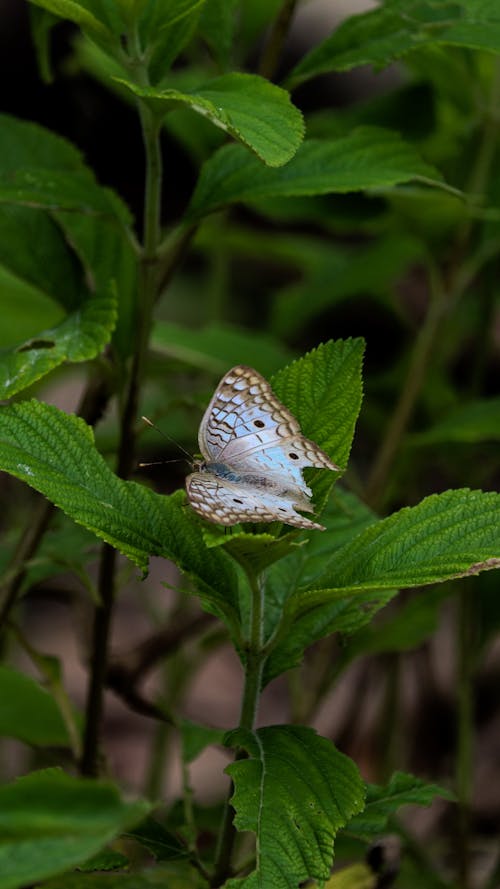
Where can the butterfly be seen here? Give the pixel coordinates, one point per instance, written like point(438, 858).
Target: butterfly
point(253, 454)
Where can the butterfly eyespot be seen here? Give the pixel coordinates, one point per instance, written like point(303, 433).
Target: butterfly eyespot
point(244, 437)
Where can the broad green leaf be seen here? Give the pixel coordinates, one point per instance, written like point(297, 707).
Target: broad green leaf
point(367, 158)
point(323, 390)
point(50, 822)
point(105, 860)
point(466, 424)
point(246, 106)
point(295, 791)
point(382, 802)
point(447, 535)
point(218, 346)
point(80, 337)
point(55, 453)
point(168, 28)
point(28, 712)
point(380, 36)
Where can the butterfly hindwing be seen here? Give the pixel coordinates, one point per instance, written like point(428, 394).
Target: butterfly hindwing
point(254, 454)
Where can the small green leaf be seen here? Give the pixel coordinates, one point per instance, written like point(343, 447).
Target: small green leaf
point(105, 860)
point(382, 802)
point(51, 822)
point(380, 36)
point(196, 737)
point(55, 453)
point(369, 157)
point(162, 844)
point(246, 106)
point(80, 14)
point(466, 424)
point(28, 712)
point(295, 791)
point(356, 876)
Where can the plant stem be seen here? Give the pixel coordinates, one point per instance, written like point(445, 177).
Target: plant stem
point(253, 681)
point(274, 46)
point(465, 621)
point(419, 361)
point(147, 282)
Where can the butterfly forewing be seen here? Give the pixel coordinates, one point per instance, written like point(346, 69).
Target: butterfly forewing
point(254, 452)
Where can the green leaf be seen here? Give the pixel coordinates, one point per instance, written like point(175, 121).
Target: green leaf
point(50, 822)
point(323, 390)
point(412, 624)
point(338, 273)
point(55, 453)
point(469, 423)
point(294, 792)
point(28, 712)
point(54, 190)
point(25, 309)
point(80, 337)
point(217, 25)
point(105, 860)
point(218, 346)
point(382, 802)
point(41, 24)
point(344, 518)
point(162, 844)
point(246, 106)
point(174, 875)
point(356, 876)
point(399, 27)
point(447, 535)
point(196, 737)
point(369, 157)
point(80, 13)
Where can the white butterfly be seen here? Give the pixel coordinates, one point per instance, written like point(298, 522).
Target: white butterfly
point(253, 453)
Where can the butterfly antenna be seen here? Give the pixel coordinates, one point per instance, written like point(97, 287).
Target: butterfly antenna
point(169, 438)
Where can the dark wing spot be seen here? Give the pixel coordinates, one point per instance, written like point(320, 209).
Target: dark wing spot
point(235, 500)
point(293, 456)
point(259, 423)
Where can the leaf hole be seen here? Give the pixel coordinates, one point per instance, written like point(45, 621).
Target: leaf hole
point(37, 344)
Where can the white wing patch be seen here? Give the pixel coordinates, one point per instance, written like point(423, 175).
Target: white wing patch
point(254, 453)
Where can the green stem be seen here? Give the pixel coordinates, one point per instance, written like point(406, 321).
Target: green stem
point(148, 280)
point(441, 301)
point(274, 46)
point(415, 377)
point(251, 693)
point(465, 732)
